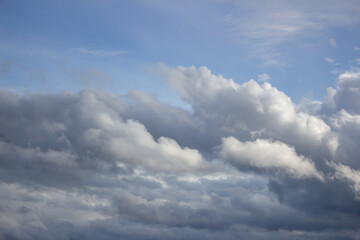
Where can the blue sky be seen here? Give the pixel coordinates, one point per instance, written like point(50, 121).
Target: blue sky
point(54, 45)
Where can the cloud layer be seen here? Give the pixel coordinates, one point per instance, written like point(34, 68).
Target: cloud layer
point(244, 163)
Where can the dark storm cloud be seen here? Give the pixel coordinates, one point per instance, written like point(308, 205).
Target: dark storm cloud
point(245, 163)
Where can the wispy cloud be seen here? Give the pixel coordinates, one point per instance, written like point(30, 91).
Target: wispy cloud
point(263, 77)
point(95, 77)
point(267, 27)
point(94, 53)
point(332, 42)
point(329, 60)
point(32, 74)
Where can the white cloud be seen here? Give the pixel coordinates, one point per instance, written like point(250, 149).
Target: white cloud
point(309, 106)
point(129, 141)
point(239, 109)
point(263, 77)
point(343, 118)
point(267, 154)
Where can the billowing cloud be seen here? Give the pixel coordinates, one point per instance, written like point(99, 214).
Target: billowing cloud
point(244, 162)
point(346, 95)
point(265, 154)
point(240, 110)
point(87, 126)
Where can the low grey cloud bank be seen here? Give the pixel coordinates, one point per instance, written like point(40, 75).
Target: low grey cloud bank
point(246, 162)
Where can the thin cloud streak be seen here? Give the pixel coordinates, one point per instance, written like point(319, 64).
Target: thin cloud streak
point(267, 26)
point(94, 53)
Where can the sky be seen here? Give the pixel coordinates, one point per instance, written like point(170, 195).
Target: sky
point(215, 119)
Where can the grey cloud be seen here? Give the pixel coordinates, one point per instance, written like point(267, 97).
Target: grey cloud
point(341, 112)
point(82, 134)
point(94, 165)
point(160, 119)
point(348, 125)
point(237, 110)
point(346, 95)
point(348, 174)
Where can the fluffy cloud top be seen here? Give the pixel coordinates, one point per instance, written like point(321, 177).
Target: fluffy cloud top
point(347, 94)
point(265, 154)
point(239, 109)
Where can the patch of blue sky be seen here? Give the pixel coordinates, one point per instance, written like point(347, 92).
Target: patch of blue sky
point(70, 45)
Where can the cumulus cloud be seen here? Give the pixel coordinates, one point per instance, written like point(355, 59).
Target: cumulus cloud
point(244, 162)
point(96, 129)
point(346, 95)
point(237, 109)
point(265, 154)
